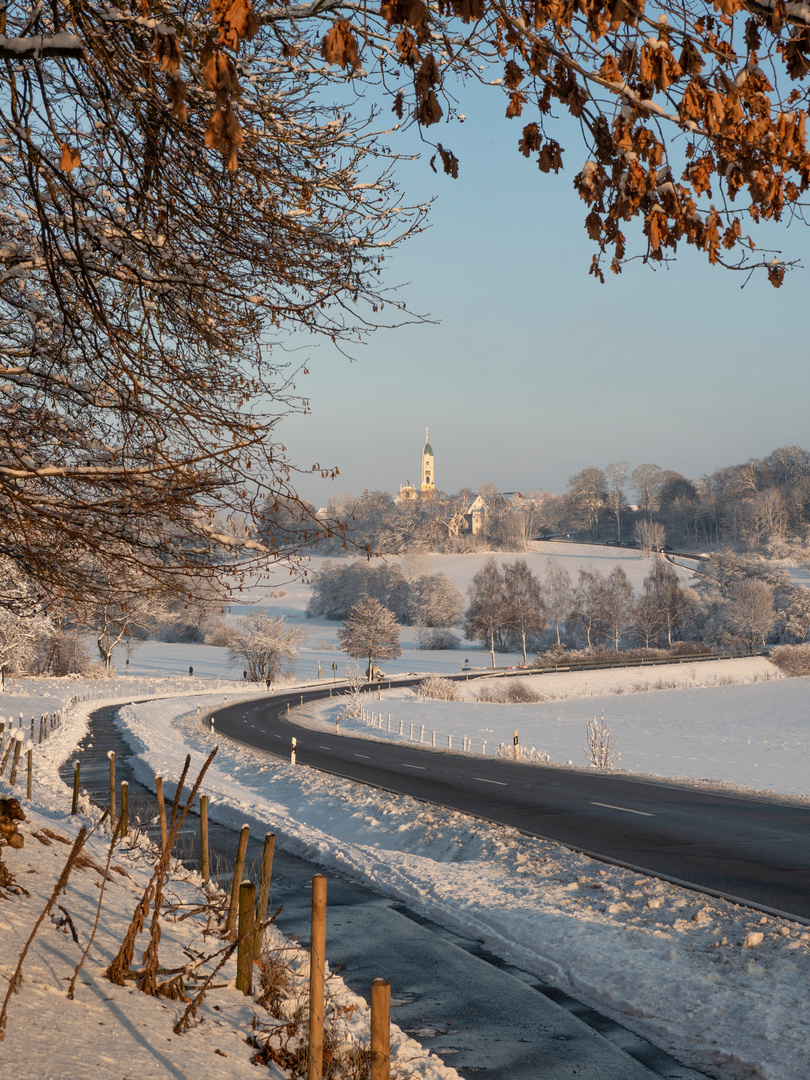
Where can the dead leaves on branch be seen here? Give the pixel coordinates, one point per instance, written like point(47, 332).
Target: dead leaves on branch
point(224, 132)
point(235, 21)
point(340, 47)
point(71, 159)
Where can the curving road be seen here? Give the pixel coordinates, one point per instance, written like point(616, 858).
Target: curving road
point(753, 851)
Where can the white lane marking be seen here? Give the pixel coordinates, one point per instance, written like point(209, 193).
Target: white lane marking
point(484, 780)
point(366, 756)
point(609, 806)
point(405, 765)
point(324, 747)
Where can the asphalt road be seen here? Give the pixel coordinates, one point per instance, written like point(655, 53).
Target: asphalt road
point(754, 851)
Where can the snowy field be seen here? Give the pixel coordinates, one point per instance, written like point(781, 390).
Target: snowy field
point(690, 973)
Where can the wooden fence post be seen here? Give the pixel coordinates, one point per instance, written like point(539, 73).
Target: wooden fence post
point(111, 756)
point(16, 760)
point(233, 908)
point(264, 890)
point(205, 869)
point(77, 768)
point(380, 1030)
point(164, 835)
point(124, 808)
point(30, 769)
point(244, 948)
point(317, 950)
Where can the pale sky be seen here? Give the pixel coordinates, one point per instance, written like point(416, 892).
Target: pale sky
point(532, 370)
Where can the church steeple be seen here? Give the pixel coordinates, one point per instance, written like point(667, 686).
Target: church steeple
point(428, 472)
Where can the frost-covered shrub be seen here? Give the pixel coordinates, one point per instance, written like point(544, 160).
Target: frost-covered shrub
point(518, 692)
point(524, 753)
point(441, 689)
point(494, 693)
point(220, 634)
point(511, 692)
point(792, 660)
point(439, 639)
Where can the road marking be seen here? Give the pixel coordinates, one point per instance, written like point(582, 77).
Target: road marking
point(484, 780)
point(405, 765)
point(363, 756)
point(609, 806)
point(324, 747)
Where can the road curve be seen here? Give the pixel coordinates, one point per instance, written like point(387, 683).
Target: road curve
point(757, 852)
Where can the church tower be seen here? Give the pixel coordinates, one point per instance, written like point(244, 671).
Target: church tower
point(428, 473)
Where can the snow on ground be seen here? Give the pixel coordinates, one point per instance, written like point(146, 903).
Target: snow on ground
point(666, 962)
point(660, 959)
point(107, 1030)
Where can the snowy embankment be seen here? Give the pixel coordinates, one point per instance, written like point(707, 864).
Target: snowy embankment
point(110, 1030)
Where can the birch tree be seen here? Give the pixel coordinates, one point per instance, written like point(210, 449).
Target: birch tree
point(527, 608)
point(488, 613)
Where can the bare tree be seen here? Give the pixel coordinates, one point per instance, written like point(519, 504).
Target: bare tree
point(588, 495)
point(674, 603)
point(267, 645)
point(650, 536)
point(144, 278)
point(559, 595)
point(646, 480)
point(616, 474)
point(371, 631)
point(590, 604)
point(618, 602)
point(526, 605)
point(488, 612)
point(751, 612)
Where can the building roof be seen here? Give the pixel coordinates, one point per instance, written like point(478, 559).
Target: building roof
point(428, 449)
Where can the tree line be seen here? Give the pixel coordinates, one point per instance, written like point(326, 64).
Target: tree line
point(762, 506)
point(733, 604)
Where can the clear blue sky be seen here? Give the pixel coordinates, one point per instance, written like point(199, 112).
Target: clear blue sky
point(532, 370)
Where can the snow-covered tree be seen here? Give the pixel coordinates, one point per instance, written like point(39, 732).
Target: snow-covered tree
point(797, 613)
point(525, 601)
point(24, 626)
point(370, 631)
point(618, 601)
point(650, 536)
point(267, 645)
point(435, 601)
point(589, 604)
point(488, 613)
point(559, 595)
point(751, 612)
